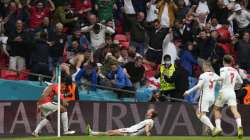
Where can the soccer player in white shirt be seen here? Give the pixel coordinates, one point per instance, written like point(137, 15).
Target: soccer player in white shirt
point(229, 78)
point(207, 86)
point(141, 128)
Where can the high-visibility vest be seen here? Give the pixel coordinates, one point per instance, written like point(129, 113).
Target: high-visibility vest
point(165, 86)
point(72, 93)
point(247, 97)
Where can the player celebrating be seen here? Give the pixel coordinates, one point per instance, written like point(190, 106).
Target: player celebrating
point(207, 86)
point(47, 106)
point(141, 128)
point(229, 77)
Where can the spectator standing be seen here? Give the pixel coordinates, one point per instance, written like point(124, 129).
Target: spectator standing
point(152, 11)
point(39, 12)
point(82, 7)
point(187, 58)
point(242, 18)
point(60, 15)
point(18, 42)
point(105, 9)
point(135, 71)
point(202, 12)
point(243, 51)
point(138, 33)
point(118, 78)
point(167, 9)
point(57, 46)
point(97, 32)
point(156, 35)
point(183, 84)
point(220, 12)
point(39, 56)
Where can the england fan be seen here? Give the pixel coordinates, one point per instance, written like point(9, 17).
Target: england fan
point(229, 78)
point(207, 86)
point(47, 106)
point(141, 128)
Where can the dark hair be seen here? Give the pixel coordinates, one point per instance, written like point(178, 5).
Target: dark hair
point(228, 59)
point(66, 79)
point(154, 114)
point(167, 57)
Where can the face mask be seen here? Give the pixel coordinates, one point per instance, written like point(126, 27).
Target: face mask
point(167, 63)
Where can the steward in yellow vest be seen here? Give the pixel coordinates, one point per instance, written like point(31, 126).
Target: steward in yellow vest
point(167, 77)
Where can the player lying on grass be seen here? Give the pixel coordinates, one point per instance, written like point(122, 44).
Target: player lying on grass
point(47, 106)
point(141, 128)
point(207, 97)
point(229, 78)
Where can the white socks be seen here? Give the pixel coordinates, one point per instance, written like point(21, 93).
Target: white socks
point(238, 122)
point(94, 133)
point(64, 117)
point(41, 125)
point(218, 123)
point(204, 119)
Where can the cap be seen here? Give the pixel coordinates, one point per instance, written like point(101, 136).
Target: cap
point(237, 7)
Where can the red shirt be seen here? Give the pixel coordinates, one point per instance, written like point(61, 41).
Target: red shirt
point(82, 4)
point(51, 95)
point(36, 17)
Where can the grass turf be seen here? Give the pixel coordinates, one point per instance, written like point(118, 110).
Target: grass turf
point(124, 138)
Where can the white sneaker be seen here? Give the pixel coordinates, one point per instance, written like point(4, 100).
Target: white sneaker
point(71, 132)
point(35, 134)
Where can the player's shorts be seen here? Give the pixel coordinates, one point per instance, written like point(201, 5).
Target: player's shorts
point(48, 108)
point(205, 102)
point(128, 132)
point(226, 97)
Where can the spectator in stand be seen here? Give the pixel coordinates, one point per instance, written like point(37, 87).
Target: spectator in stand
point(46, 26)
point(242, 18)
point(82, 7)
point(119, 79)
point(57, 46)
point(215, 24)
point(204, 47)
point(39, 56)
point(60, 15)
point(156, 35)
point(138, 33)
point(135, 71)
point(152, 11)
point(219, 13)
point(39, 12)
point(202, 12)
point(183, 84)
point(183, 31)
point(183, 10)
point(167, 9)
point(130, 8)
point(242, 48)
point(187, 59)
point(97, 32)
point(13, 13)
point(18, 42)
point(105, 9)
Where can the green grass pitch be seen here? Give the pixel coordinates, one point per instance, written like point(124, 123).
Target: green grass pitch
point(124, 138)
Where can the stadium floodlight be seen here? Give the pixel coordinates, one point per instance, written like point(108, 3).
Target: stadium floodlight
point(58, 75)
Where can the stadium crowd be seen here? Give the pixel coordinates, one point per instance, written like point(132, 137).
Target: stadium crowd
point(126, 44)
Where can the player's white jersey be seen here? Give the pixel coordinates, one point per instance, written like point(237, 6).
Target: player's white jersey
point(206, 83)
point(139, 128)
point(207, 80)
point(230, 77)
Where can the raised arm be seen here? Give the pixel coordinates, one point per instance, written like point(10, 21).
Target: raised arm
point(52, 5)
point(196, 87)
